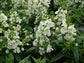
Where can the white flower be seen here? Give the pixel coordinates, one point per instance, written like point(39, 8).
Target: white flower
point(42, 23)
point(35, 42)
point(41, 40)
point(22, 49)
point(3, 17)
point(7, 51)
point(16, 37)
point(58, 23)
point(71, 29)
point(24, 18)
point(6, 34)
point(38, 33)
point(5, 24)
point(76, 44)
point(18, 20)
point(64, 23)
point(57, 29)
point(19, 42)
point(63, 30)
point(60, 38)
point(53, 33)
point(49, 48)
point(49, 23)
point(41, 27)
point(17, 28)
point(56, 12)
point(14, 44)
point(61, 17)
point(64, 11)
point(35, 0)
point(41, 50)
point(27, 37)
point(16, 33)
point(15, 13)
point(69, 37)
point(31, 36)
point(27, 12)
point(16, 50)
point(47, 39)
point(47, 31)
point(82, 4)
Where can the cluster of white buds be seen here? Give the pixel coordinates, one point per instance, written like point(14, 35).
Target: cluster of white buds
point(42, 34)
point(69, 31)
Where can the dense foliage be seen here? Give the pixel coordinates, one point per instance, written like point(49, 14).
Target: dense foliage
point(41, 31)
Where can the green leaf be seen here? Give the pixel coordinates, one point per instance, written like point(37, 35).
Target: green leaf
point(52, 12)
point(10, 58)
point(57, 41)
point(25, 60)
point(17, 57)
point(28, 27)
point(38, 60)
point(30, 49)
point(21, 11)
point(43, 60)
point(3, 42)
point(59, 55)
point(34, 60)
point(27, 20)
point(76, 54)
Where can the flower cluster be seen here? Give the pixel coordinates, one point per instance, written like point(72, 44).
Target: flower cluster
point(82, 4)
point(17, 3)
point(32, 23)
point(37, 7)
point(3, 20)
point(14, 18)
point(12, 33)
point(13, 39)
point(42, 33)
point(33, 7)
point(67, 30)
point(69, 2)
point(11, 28)
point(40, 28)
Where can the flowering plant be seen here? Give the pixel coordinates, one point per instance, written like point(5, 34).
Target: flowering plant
point(42, 30)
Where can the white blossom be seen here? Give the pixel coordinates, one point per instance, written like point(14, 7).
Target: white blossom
point(41, 50)
point(35, 42)
point(49, 48)
point(5, 24)
point(3, 17)
point(18, 20)
point(17, 50)
point(7, 51)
